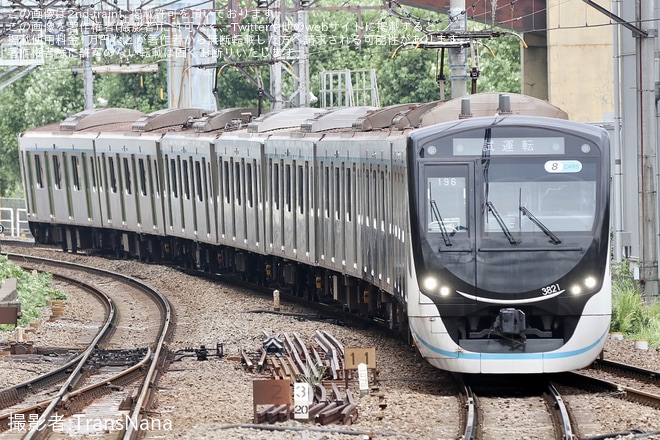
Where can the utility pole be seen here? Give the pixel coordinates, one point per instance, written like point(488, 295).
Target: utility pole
point(276, 14)
point(458, 55)
point(289, 42)
point(647, 147)
point(88, 76)
point(301, 45)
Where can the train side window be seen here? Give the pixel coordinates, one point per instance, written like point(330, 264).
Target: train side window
point(349, 194)
point(208, 195)
point(154, 189)
point(186, 180)
point(375, 214)
point(113, 175)
point(143, 176)
point(127, 175)
point(198, 180)
point(173, 181)
point(301, 188)
point(39, 170)
point(287, 182)
point(276, 186)
point(237, 183)
point(75, 167)
point(57, 172)
point(383, 199)
point(103, 177)
point(93, 171)
point(337, 193)
point(326, 190)
point(226, 181)
point(248, 184)
point(367, 201)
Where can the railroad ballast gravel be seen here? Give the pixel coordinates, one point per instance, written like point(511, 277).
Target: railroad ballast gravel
point(213, 399)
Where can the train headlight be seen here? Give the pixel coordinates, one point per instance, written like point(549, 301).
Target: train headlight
point(430, 284)
point(444, 291)
point(590, 282)
point(576, 290)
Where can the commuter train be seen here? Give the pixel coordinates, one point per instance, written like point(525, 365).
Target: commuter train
point(478, 226)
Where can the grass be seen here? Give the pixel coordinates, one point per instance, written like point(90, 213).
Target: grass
point(35, 289)
point(631, 314)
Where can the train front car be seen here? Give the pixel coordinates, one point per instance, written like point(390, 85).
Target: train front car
point(510, 238)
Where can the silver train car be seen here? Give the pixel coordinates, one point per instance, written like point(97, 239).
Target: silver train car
point(479, 227)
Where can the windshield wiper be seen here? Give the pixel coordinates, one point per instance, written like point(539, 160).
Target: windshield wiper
point(497, 216)
point(435, 213)
point(553, 238)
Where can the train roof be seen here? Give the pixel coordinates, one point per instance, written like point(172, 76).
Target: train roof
point(398, 117)
point(489, 104)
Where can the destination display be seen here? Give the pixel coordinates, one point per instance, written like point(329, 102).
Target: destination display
point(508, 146)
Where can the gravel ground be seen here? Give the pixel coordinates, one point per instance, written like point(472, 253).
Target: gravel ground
point(213, 399)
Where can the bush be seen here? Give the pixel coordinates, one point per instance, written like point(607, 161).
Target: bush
point(34, 291)
point(631, 314)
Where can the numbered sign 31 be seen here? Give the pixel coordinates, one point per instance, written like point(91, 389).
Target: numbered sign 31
point(301, 392)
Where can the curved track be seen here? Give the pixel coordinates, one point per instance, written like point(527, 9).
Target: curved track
point(128, 306)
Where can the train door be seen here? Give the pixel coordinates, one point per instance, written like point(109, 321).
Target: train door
point(350, 218)
point(37, 192)
point(131, 210)
point(148, 195)
point(303, 212)
point(61, 208)
point(449, 218)
point(90, 188)
point(177, 215)
point(327, 209)
point(400, 221)
point(81, 194)
point(240, 222)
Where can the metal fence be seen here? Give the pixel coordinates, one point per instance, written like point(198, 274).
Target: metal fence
point(13, 218)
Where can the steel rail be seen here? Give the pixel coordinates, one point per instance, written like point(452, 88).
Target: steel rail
point(561, 413)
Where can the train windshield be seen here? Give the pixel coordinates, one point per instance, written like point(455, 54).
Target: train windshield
point(514, 199)
point(529, 196)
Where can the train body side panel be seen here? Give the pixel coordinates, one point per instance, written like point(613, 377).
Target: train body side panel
point(190, 197)
point(374, 189)
point(239, 160)
point(400, 230)
point(35, 151)
point(338, 159)
point(129, 200)
point(290, 216)
point(62, 186)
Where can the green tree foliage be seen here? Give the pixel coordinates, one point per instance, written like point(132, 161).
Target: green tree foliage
point(409, 77)
point(49, 94)
point(139, 91)
point(499, 62)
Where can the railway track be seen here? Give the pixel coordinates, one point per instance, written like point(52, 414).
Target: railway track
point(100, 384)
point(367, 417)
point(620, 380)
point(533, 412)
